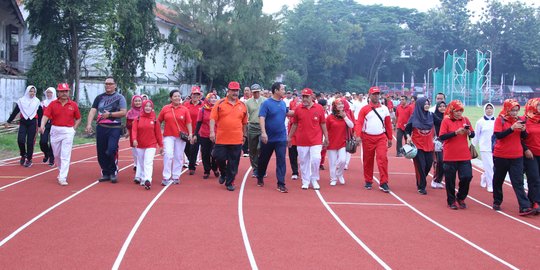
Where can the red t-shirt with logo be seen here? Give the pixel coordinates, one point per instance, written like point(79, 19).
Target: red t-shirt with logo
point(63, 115)
point(183, 118)
point(457, 147)
point(309, 120)
point(423, 139)
point(509, 146)
point(193, 110)
point(293, 106)
point(403, 114)
point(337, 132)
point(533, 137)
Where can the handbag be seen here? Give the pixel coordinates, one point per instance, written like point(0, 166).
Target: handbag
point(350, 143)
point(472, 149)
point(438, 144)
point(183, 136)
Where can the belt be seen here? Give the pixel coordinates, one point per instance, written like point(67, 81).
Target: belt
point(374, 134)
point(110, 126)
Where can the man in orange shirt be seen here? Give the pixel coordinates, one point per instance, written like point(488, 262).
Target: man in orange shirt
point(230, 116)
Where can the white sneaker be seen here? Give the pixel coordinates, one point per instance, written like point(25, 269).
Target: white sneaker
point(490, 189)
point(483, 181)
point(305, 186)
point(434, 184)
point(342, 180)
point(315, 185)
point(62, 182)
point(294, 177)
point(246, 155)
point(333, 182)
point(440, 185)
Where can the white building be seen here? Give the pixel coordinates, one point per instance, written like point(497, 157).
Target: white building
point(12, 27)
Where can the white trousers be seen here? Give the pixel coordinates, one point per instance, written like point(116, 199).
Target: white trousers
point(145, 163)
point(134, 154)
point(310, 159)
point(348, 159)
point(62, 144)
point(173, 157)
point(337, 160)
point(487, 162)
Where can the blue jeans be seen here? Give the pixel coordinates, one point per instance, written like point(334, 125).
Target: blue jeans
point(264, 158)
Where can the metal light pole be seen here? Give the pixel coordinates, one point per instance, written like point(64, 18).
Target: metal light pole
point(427, 86)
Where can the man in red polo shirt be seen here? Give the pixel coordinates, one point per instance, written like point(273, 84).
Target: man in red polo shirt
point(193, 105)
point(65, 118)
point(374, 129)
point(403, 113)
point(309, 119)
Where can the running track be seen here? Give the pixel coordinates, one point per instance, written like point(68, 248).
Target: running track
point(200, 225)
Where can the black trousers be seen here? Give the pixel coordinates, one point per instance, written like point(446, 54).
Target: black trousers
point(245, 147)
point(464, 171)
point(514, 167)
point(399, 137)
point(438, 170)
point(107, 149)
point(206, 153)
point(191, 151)
point(532, 171)
point(26, 138)
point(293, 159)
point(45, 142)
point(227, 157)
point(422, 165)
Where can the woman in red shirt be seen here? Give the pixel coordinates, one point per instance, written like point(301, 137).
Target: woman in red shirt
point(508, 156)
point(420, 132)
point(338, 124)
point(147, 139)
point(132, 114)
point(177, 120)
point(455, 133)
point(532, 151)
point(202, 135)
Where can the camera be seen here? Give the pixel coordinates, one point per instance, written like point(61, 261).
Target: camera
point(467, 127)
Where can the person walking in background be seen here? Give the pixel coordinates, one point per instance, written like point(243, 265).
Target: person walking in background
point(45, 140)
point(148, 140)
point(176, 133)
point(484, 133)
point(455, 133)
point(309, 118)
point(339, 125)
point(245, 147)
point(532, 151)
point(403, 113)
point(193, 106)
point(438, 170)
point(420, 132)
point(65, 117)
point(230, 117)
point(110, 107)
point(202, 135)
point(253, 105)
point(508, 156)
point(324, 104)
point(132, 114)
point(374, 129)
point(30, 111)
point(272, 116)
point(292, 147)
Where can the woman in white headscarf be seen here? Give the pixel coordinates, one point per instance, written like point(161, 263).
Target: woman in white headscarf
point(484, 132)
point(30, 111)
point(44, 140)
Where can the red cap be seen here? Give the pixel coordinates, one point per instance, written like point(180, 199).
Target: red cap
point(62, 87)
point(195, 90)
point(374, 89)
point(234, 86)
point(307, 92)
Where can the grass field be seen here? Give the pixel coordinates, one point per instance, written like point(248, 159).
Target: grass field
point(9, 147)
point(474, 113)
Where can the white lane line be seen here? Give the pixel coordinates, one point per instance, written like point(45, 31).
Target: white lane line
point(49, 170)
point(448, 230)
point(247, 245)
point(351, 233)
point(20, 229)
point(126, 244)
point(366, 204)
point(15, 160)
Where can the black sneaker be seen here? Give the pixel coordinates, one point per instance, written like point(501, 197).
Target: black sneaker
point(206, 175)
point(526, 211)
point(221, 180)
point(104, 178)
point(230, 187)
point(384, 187)
point(282, 189)
point(453, 206)
point(462, 204)
point(422, 191)
point(368, 186)
point(28, 164)
point(137, 181)
point(134, 168)
point(216, 173)
point(191, 172)
point(45, 159)
point(260, 182)
point(114, 179)
point(22, 160)
point(496, 207)
point(51, 162)
point(321, 167)
point(147, 185)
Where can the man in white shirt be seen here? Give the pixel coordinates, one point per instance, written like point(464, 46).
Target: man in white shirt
point(288, 98)
point(439, 97)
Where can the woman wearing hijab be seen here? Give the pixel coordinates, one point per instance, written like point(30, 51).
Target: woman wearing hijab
point(484, 132)
point(508, 156)
point(532, 151)
point(44, 140)
point(132, 114)
point(455, 133)
point(338, 124)
point(30, 111)
point(147, 139)
point(420, 132)
point(202, 133)
point(438, 170)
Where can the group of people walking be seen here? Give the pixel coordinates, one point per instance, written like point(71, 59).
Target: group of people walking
point(307, 127)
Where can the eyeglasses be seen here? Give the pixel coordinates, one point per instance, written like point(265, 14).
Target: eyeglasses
point(109, 83)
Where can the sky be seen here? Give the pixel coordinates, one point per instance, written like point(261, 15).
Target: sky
point(271, 6)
